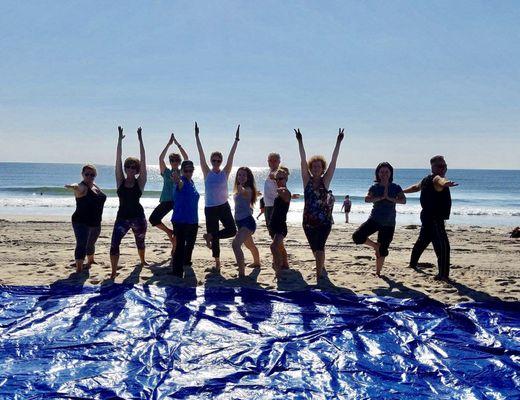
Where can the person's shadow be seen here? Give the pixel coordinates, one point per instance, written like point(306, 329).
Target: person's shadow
point(398, 290)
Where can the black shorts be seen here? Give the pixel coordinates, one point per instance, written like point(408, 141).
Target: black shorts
point(160, 212)
point(317, 236)
point(280, 229)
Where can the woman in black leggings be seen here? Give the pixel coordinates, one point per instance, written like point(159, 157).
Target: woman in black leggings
point(86, 220)
point(216, 195)
point(385, 195)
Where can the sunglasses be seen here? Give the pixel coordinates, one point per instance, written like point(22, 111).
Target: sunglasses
point(89, 174)
point(134, 167)
point(188, 171)
point(175, 160)
point(280, 178)
point(216, 160)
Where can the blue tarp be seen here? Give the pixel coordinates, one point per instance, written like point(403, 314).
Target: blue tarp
point(149, 342)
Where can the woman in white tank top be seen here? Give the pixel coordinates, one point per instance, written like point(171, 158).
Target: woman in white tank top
point(217, 208)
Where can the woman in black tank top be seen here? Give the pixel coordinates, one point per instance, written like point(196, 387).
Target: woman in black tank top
point(130, 215)
point(278, 221)
point(86, 220)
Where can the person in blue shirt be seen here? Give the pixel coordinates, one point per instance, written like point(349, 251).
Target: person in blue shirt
point(384, 194)
point(185, 217)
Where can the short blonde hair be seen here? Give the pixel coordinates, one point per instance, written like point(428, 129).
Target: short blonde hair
point(88, 166)
point(133, 161)
point(313, 159)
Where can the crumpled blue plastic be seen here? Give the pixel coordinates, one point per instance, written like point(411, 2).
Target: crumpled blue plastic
point(148, 342)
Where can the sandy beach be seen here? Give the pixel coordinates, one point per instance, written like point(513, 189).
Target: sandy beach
point(485, 262)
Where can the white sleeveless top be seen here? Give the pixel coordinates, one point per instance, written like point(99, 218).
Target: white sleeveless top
point(216, 188)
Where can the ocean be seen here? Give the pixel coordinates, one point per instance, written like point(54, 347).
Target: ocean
point(483, 197)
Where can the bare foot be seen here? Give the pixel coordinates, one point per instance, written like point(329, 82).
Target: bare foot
point(208, 237)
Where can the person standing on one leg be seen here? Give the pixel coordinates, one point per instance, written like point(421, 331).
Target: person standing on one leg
point(436, 207)
point(278, 220)
point(216, 192)
point(130, 214)
point(317, 212)
point(385, 195)
point(185, 216)
point(166, 201)
point(245, 199)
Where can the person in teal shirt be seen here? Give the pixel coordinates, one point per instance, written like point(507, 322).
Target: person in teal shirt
point(166, 200)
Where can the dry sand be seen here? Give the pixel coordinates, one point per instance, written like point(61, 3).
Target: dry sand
point(485, 262)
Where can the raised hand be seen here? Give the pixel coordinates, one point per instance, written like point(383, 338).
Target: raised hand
point(196, 129)
point(175, 140)
point(120, 130)
point(450, 184)
point(172, 139)
point(341, 134)
point(237, 135)
point(139, 134)
point(298, 135)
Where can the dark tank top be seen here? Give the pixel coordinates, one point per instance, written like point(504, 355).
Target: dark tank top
point(435, 205)
point(280, 209)
point(129, 206)
point(89, 208)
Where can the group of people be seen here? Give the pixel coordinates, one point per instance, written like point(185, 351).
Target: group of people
point(180, 195)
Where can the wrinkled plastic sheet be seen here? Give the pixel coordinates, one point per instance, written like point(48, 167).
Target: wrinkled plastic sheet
point(149, 342)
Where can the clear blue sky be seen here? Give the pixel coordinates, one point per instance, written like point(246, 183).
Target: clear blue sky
point(407, 79)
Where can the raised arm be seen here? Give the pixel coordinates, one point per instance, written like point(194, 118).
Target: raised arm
point(141, 180)
point(181, 149)
point(327, 178)
point(203, 163)
point(413, 188)
point(229, 163)
point(120, 177)
point(162, 164)
point(306, 176)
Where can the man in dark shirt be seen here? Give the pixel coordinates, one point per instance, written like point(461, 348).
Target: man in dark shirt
point(436, 207)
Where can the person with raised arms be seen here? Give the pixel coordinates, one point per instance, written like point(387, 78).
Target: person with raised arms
point(317, 212)
point(217, 207)
point(166, 200)
point(185, 216)
point(245, 199)
point(436, 207)
point(384, 194)
point(130, 214)
point(86, 220)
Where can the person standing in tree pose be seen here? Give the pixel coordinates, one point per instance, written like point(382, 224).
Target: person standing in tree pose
point(317, 212)
point(278, 220)
point(185, 216)
point(86, 220)
point(166, 200)
point(245, 199)
point(217, 208)
point(130, 215)
point(385, 195)
point(436, 208)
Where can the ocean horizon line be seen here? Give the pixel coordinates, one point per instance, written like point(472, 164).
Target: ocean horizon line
point(236, 165)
